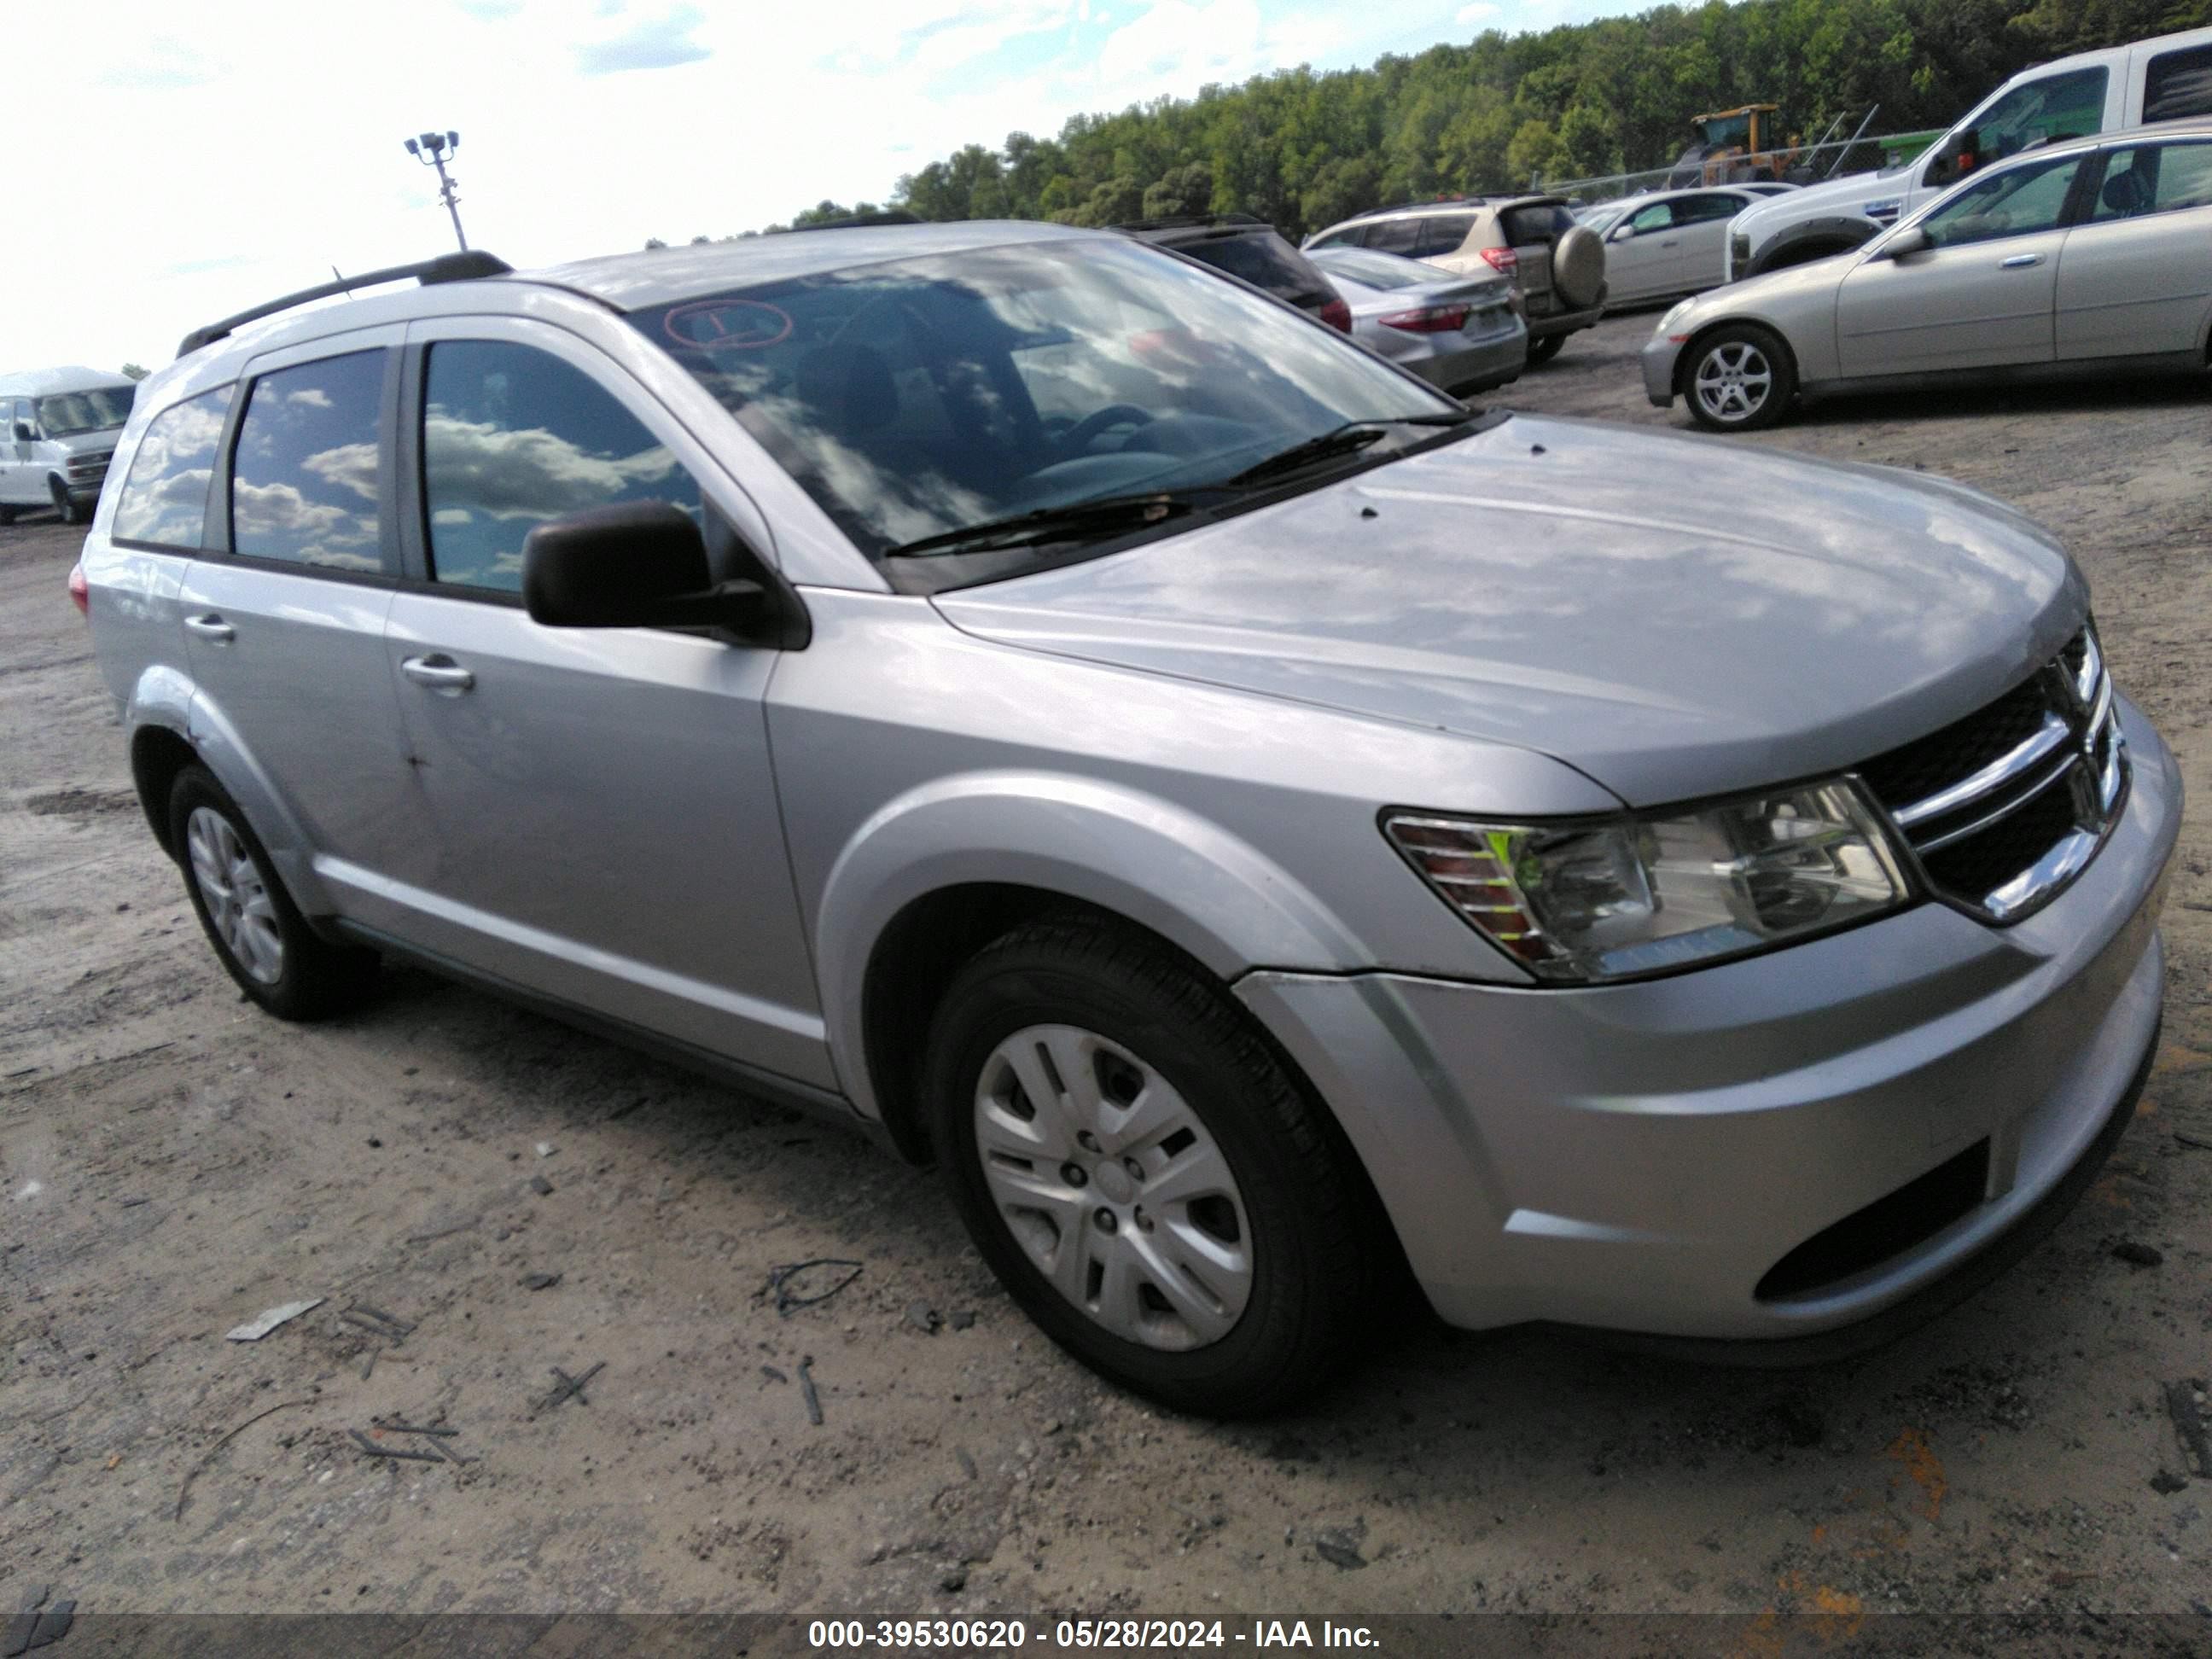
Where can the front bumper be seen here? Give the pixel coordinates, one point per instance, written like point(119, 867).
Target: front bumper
point(1659, 358)
point(1638, 1157)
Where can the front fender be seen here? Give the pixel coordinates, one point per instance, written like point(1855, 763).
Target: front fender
point(1846, 230)
point(1208, 892)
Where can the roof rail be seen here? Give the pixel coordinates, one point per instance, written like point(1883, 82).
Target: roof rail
point(1185, 220)
point(1430, 202)
point(446, 268)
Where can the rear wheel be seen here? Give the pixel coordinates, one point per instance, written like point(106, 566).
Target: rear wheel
point(1739, 378)
point(1544, 348)
point(263, 940)
point(1157, 1191)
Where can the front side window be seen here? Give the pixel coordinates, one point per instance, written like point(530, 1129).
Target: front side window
point(2017, 202)
point(70, 414)
point(164, 502)
point(512, 436)
point(2154, 178)
point(2069, 106)
point(1658, 216)
point(307, 479)
point(2177, 84)
point(922, 396)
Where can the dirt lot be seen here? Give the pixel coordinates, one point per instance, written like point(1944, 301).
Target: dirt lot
point(172, 1163)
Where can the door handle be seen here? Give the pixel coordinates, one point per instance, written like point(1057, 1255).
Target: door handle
point(1668, 243)
point(2020, 262)
point(437, 670)
point(210, 626)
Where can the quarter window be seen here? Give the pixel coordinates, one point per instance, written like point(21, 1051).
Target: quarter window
point(1399, 236)
point(164, 502)
point(307, 480)
point(2017, 202)
point(1444, 233)
point(2154, 178)
point(2178, 84)
point(512, 436)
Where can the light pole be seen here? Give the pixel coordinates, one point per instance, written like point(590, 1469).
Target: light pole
point(439, 145)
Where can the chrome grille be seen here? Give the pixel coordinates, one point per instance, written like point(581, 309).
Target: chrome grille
point(2004, 808)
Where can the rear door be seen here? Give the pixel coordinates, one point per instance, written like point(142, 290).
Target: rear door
point(1981, 296)
point(284, 625)
point(602, 821)
point(2135, 275)
point(1701, 223)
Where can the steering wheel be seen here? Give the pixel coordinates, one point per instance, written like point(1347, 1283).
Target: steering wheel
point(1078, 437)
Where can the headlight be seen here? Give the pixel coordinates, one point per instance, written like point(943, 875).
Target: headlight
point(1619, 898)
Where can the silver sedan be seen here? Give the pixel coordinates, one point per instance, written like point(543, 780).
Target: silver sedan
point(2075, 260)
point(1466, 334)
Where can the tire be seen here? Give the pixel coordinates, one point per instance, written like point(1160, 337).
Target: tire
point(1544, 348)
point(1740, 377)
point(7, 514)
point(1578, 267)
point(1155, 1057)
point(65, 506)
point(259, 933)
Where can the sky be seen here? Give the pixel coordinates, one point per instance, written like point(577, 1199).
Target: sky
point(175, 164)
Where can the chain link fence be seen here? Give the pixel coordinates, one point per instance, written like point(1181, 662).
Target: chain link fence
point(1805, 164)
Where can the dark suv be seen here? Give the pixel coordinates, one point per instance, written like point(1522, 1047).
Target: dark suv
point(1248, 248)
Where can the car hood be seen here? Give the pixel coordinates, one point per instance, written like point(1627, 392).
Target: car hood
point(1850, 194)
point(82, 443)
point(1675, 616)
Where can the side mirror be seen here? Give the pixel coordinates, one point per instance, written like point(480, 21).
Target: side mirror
point(1906, 243)
point(641, 564)
point(24, 434)
point(1621, 232)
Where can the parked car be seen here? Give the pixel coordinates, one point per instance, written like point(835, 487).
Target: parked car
point(1260, 826)
point(61, 430)
point(1464, 334)
point(2166, 79)
point(2087, 258)
point(1669, 242)
point(1558, 266)
point(1252, 252)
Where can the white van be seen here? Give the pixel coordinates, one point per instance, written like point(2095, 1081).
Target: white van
point(57, 431)
point(2161, 80)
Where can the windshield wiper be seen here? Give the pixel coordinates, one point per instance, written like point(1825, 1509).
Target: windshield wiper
point(1343, 440)
point(1102, 515)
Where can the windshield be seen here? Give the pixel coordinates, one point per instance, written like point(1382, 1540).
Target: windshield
point(919, 397)
point(103, 409)
point(1600, 220)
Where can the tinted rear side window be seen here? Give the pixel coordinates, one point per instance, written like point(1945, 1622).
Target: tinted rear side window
point(164, 502)
point(1443, 233)
point(2179, 84)
point(1541, 225)
point(1395, 236)
point(1267, 261)
point(307, 480)
point(512, 436)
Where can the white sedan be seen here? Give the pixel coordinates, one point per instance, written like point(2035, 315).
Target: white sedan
point(1670, 242)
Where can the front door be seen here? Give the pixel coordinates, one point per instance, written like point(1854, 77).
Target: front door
point(1643, 255)
point(1980, 295)
point(2136, 276)
point(601, 822)
point(19, 467)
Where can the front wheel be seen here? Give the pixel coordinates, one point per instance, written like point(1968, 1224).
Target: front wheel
point(1143, 1173)
point(259, 933)
point(1739, 378)
point(65, 506)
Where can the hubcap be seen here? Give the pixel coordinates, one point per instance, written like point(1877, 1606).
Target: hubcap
point(1112, 1185)
point(1734, 382)
point(237, 900)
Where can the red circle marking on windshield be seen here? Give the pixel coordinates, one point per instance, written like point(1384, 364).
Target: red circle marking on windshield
point(727, 324)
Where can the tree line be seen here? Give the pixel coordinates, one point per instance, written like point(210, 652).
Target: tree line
point(1302, 149)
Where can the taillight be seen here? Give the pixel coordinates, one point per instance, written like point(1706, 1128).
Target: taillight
point(1430, 319)
point(1337, 314)
point(79, 593)
point(1503, 260)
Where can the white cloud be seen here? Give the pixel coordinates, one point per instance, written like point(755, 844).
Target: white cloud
point(1481, 14)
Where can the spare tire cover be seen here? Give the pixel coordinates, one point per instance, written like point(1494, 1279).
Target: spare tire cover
point(1578, 267)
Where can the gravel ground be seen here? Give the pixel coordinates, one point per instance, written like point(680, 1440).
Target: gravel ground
point(172, 1162)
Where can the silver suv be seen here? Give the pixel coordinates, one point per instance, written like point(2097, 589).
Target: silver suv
point(1263, 828)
